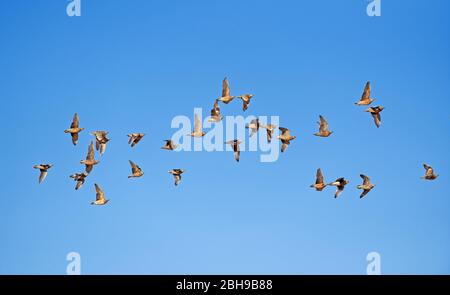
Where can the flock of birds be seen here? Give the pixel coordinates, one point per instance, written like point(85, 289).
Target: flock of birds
point(285, 137)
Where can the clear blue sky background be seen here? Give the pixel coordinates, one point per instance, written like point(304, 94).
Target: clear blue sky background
point(129, 66)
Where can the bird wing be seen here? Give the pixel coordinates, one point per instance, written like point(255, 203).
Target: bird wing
point(79, 184)
point(75, 121)
point(131, 138)
point(90, 154)
point(177, 178)
point(197, 124)
point(429, 170)
point(169, 143)
point(377, 119)
point(366, 180)
point(285, 132)
point(338, 191)
point(323, 124)
point(319, 176)
point(236, 153)
point(215, 111)
point(364, 192)
point(245, 105)
point(134, 167)
point(225, 88)
point(216, 105)
point(269, 135)
point(366, 92)
point(42, 175)
point(99, 193)
point(74, 138)
point(284, 146)
point(102, 148)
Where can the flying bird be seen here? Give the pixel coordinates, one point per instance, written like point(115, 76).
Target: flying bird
point(340, 183)
point(136, 171)
point(226, 96)
point(285, 138)
point(215, 113)
point(100, 140)
point(74, 129)
point(235, 145)
point(245, 101)
point(375, 112)
point(177, 175)
point(429, 173)
point(367, 186)
point(365, 97)
point(79, 178)
point(198, 130)
point(270, 129)
point(90, 161)
point(169, 145)
point(319, 185)
point(100, 198)
point(253, 126)
point(135, 138)
point(43, 168)
point(323, 128)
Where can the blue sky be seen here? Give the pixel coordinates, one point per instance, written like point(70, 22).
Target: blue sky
point(129, 66)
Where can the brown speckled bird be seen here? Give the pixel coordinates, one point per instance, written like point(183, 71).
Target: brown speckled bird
point(100, 140)
point(198, 129)
point(365, 97)
point(136, 171)
point(323, 128)
point(429, 173)
point(245, 101)
point(285, 138)
point(226, 96)
point(177, 175)
point(74, 129)
point(235, 145)
point(375, 112)
point(319, 185)
point(100, 198)
point(269, 129)
point(367, 186)
point(253, 126)
point(340, 183)
point(215, 113)
point(169, 145)
point(135, 138)
point(43, 168)
point(79, 178)
point(90, 161)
